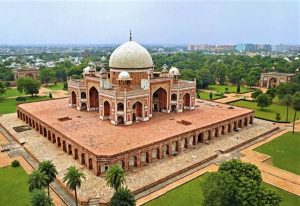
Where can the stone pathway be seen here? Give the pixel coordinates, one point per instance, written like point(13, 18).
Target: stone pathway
point(55, 93)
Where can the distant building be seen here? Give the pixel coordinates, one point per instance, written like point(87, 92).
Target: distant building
point(263, 47)
point(245, 47)
point(273, 79)
point(212, 48)
point(24, 72)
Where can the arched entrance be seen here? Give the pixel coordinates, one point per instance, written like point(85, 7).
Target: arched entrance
point(173, 108)
point(106, 110)
point(137, 111)
point(174, 97)
point(272, 82)
point(186, 101)
point(83, 106)
point(120, 107)
point(74, 99)
point(94, 99)
point(200, 137)
point(120, 120)
point(83, 95)
point(159, 100)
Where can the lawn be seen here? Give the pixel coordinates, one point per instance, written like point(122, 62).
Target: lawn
point(288, 199)
point(10, 92)
point(13, 186)
point(268, 113)
point(9, 105)
point(231, 88)
point(205, 95)
point(187, 194)
point(284, 151)
point(190, 194)
point(58, 86)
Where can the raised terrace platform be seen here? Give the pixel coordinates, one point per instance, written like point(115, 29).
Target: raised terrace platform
point(97, 143)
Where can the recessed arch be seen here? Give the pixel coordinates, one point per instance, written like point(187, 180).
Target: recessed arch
point(106, 107)
point(186, 101)
point(74, 98)
point(137, 111)
point(94, 98)
point(159, 100)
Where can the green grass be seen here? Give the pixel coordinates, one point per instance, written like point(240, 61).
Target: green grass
point(13, 186)
point(205, 95)
point(288, 199)
point(189, 193)
point(231, 88)
point(10, 92)
point(9, 105)
point(58, 86)
point(284, 151)
point(268, 113)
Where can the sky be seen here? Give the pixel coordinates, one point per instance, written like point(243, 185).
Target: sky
point(151, 22)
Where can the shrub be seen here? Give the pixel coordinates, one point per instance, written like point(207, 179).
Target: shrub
point(50, 95)
point(277, 117)
point(256, 93)
point(20, 99)
point(15, 163)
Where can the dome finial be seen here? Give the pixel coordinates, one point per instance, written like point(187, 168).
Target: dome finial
point(130, 35)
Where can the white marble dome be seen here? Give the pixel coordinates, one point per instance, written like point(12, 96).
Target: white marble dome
point(174, 71)
point(124, 76)
point(130, 55)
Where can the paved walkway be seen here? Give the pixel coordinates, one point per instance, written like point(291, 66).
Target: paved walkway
point(17, 152)
point(231, 97)
point(55, 93)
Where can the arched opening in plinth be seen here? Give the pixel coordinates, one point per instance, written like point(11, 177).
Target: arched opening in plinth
point(90, 163)
point(251, 120)
point(58, 142)
point(155, 154)
point(240, 123)
point(234, 126)
point(166, 150)
point(173, 108)
point(159, 100)
point(74, 99)
point(75, 154)
point(186, 143)
point(223, 130)
point(106, 110)
point(200, 137)
point(132, 161)
point(53, 139)
point(64, 147)
point(83, 159)
point(229, 127)
point(216, 132)
point(36, 126)
point(94, 98)
point(70, 149)
point(246, 122)
point(49, 135)
point(137, 111)
point(186, 101)
point(209, 137)
point(272, 82)
point(45, 132)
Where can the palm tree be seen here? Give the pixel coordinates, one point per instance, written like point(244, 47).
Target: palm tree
point(40, 198)
point(37, 180)
point(122, 197)
point(287, 100)
point(73, 179)
point(50, 170)
point(296, 106)
point(115, 177)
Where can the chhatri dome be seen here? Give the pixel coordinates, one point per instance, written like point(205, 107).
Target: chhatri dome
point(130, 55)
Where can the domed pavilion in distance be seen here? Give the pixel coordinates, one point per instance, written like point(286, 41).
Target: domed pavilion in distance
point(131, 91)
point(160, 111)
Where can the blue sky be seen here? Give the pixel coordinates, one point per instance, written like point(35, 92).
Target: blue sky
point(168, 22)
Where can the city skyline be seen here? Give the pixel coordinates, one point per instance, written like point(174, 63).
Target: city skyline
point(219, 22)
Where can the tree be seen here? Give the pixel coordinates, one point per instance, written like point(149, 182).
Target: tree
point(49, 169)
point(31, 86)
point(73, 179)
point(237, 184)
point(115, 177)
point(277, 117)
point(37, 180)
point(287, 101)
point(122, 197)
point(256, 93)
point(263, 100)
point(271, 92)
point(2, 88)
point(45, 75)
point(21, 85)
point(296, 106)
point(40, 198)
